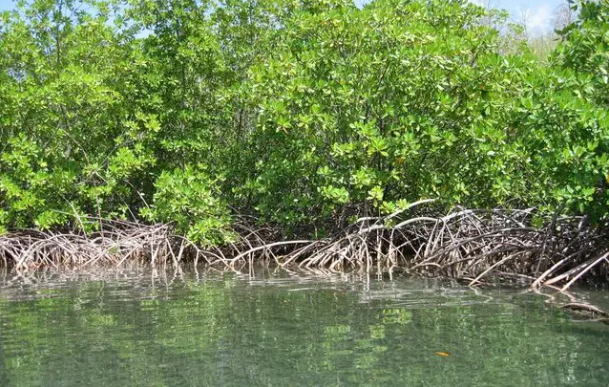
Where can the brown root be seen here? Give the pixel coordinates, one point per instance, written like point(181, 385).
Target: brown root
point(468, 244)
point(473, 245)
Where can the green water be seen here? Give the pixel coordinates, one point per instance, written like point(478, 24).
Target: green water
point(274, 328)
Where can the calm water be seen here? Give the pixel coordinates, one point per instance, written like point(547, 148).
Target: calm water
point(274, 328)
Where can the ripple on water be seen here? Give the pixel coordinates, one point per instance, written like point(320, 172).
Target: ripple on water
point(144, 327)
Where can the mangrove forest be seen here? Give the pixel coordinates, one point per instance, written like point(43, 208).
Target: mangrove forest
point(426, 135)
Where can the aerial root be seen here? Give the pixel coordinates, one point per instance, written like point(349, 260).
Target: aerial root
point(467, 244)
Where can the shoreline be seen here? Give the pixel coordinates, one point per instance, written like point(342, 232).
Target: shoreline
point(472, 245)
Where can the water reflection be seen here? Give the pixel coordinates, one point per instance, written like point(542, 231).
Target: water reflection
point(271, 327)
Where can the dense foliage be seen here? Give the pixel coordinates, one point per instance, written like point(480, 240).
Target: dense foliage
point(301, 113)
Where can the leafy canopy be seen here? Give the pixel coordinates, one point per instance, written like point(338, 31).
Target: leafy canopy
point(302, 113)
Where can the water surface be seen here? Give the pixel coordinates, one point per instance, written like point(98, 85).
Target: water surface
point(141, 327)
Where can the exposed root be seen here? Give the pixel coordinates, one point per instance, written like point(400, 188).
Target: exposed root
point(114, 243)
point(474, 245)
